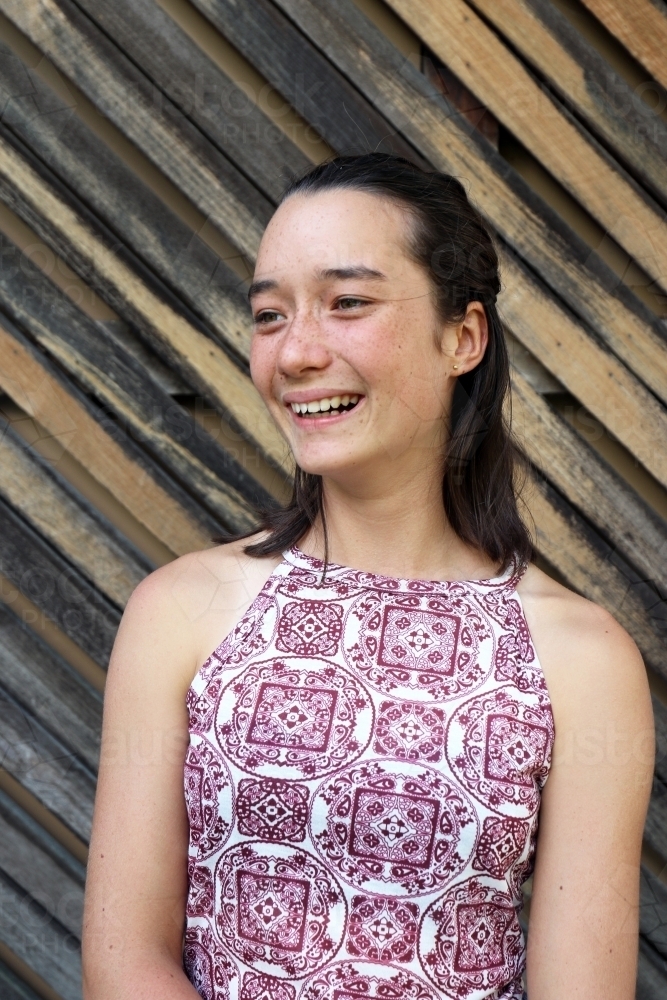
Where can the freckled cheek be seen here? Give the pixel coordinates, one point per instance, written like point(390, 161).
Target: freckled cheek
point(262, 365)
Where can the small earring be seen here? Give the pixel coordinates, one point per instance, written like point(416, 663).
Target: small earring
point(454, 367)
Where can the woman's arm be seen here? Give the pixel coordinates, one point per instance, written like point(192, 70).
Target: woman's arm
point(137, 872)
point(582, 940)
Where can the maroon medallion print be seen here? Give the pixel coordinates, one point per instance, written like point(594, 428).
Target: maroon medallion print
point(310, 628)
point(206, 965)
point(366, 981)
point(272, 809)
point(259, 987)
point(362, 783)
point(304, 717)
point(249, 637)
point(410, 730)
point(382, 929)
point(501, 843)
point(208, 797)
point(279, 910)
point(384, 823)
point(418, 647)
point(200, 891)
point(499, 747)
point(471, 940)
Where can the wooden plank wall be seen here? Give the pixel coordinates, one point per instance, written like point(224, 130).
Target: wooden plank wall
point(143, 146)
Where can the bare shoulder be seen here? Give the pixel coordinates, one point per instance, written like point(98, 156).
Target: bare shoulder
point(187, 606)
point(588, 658)
point(198, 576)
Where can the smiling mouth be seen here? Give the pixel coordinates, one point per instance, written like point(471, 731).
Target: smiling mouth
point(330, 406)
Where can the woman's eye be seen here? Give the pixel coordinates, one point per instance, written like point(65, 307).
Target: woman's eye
point(350, 302)
point(267, 316)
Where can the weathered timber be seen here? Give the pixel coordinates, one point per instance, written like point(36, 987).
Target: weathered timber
point(118, 277)
point(40, 866)
point(311, 85)
point(56, 587)
point(119, 382)
point(126, 206)
point(40, 941)
point(651, 973)
point(660, 716)
point(582, 77)
point(591, 567)
point(206, 95)
point(584, 365)
point(141, 111)
point(46, 767)
point(46, 686)
point(653, 911)
point(655, 829)
point(641, 26)
point(501, 82)
point(606, 500)
point(67, 520)
point(13, 988)
point(444, 137)
point(101, 445)
point(579, 276)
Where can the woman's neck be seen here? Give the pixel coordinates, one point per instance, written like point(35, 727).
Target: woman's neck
point(400, 532)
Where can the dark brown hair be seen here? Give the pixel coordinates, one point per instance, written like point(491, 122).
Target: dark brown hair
point(450, 241)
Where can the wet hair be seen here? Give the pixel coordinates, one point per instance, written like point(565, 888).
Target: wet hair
point(450, 240)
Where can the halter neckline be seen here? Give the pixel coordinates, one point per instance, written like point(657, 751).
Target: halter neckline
point(297, 557)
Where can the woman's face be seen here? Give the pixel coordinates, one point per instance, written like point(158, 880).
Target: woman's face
point(348, 352)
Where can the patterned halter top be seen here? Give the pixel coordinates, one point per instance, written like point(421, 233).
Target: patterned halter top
point(362, 783)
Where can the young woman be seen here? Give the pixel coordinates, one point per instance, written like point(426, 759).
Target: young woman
point(395, 696)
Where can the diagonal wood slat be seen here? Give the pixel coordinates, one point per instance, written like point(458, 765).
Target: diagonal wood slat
point(651, 973)
point(570, 64)
point(40, 866)
point(322, 95)
point(591, 373)
point(641, 26)
point(48, 948)
point(44, 766)
point(503, 85)
point(202, 91)
point(97, 256)
point(595, 570)
point(13, 988)
point(155, 500)
point(49, 689)
point(133, 103)
point(142, 407)
point(63, 517)
point(57, 588)
point(589, 483)
point(123, 203)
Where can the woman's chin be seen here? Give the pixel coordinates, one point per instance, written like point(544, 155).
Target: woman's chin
point(331, 466)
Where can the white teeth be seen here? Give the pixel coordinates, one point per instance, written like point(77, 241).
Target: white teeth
point(324, 405)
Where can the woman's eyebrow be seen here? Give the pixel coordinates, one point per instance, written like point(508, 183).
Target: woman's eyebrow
point(265, 285)
point(327, 274)
point(353, 271)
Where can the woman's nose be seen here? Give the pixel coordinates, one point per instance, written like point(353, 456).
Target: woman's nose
point(303, 346)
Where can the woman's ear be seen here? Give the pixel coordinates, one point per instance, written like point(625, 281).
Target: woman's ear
point(472, 338)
